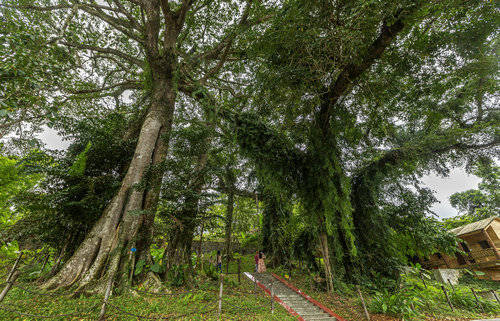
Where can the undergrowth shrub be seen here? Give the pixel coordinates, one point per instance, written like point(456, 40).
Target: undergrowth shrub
point(414, 298)
point(464, 299)
point(210, 271)
point(177, 275)
point(397, 303)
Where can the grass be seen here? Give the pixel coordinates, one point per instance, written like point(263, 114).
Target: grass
point(239, 303)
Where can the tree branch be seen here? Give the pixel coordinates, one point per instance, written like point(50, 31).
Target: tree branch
point(120, 25)
point(38, 8)
point(181, 13)
point(129, 84)
point(111, 51)
point(130, 17)
point(352, 71)
point(227, 40)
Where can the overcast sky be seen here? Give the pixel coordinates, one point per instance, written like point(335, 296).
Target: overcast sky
point(457, 181)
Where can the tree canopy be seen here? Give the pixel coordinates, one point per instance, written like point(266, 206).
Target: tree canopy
point(294, 121)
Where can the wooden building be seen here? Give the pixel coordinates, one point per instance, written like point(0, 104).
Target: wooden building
point(481, 243)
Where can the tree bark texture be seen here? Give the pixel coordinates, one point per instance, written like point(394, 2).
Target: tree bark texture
point(323, 240)
point(230, 181)
point(104, 249)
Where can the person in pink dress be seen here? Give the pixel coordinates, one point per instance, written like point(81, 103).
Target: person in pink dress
point(262, 265)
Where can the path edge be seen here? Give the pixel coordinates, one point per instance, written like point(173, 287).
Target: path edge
point(283, 304)
point(307, 297)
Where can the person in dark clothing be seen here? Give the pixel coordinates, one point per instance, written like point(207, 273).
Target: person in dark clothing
point(256, 257)
point(218, 262)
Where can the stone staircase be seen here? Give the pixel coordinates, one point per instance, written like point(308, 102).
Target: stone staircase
point(304, 308)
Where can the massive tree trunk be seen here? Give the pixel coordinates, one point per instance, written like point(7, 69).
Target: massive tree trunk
point(104, 250)
point(146, 231)
point(178, 250)
point(230, 181)
point(275, 216)
point(229, 224)
point(323, 241)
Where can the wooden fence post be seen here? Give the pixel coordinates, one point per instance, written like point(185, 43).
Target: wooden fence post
point(239, 270)
point(9, 285)
point(367, 315)
point(422, 278)
point(220, 295)
point(477, 300)
point(132, 265)
point(447, 298)
point(272, 296)
point(496, 296)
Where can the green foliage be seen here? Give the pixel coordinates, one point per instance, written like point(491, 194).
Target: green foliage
point(199, 303)
point(157, 268)
point(139, 267)
point(276, 217)
point(35, 68)
point(78, 167)
point(249, 241)
point(414, 298)
point(469, 279)
point(342, 115)
point(177, 275)
point(396, 304)
point(76, 186)
point(481, 203)
point(210, 271)
point(15, 180)
point(464, 299)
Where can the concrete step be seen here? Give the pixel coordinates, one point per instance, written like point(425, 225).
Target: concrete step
point(306, 309)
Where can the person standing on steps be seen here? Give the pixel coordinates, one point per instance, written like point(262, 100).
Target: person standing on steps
point(256, 258)
point(218, 262)
point(262, 265)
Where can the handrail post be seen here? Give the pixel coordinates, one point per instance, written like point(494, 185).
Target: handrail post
point(367, 315)
point(447, 298)
point(255, 285)
point(239, 270)
point(272, 296)
point(496, 296)
point(220, 295)
point(477, 300)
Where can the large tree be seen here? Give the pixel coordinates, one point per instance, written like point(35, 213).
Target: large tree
point(338, 124)
point(126, 50)
point(477, 204)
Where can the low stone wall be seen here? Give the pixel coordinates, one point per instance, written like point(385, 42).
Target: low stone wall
point(446, 275)
point(209, 246)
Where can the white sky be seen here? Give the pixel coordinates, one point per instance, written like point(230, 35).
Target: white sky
point(443, 187)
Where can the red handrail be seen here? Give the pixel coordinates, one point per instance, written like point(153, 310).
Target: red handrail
point(307, 297)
